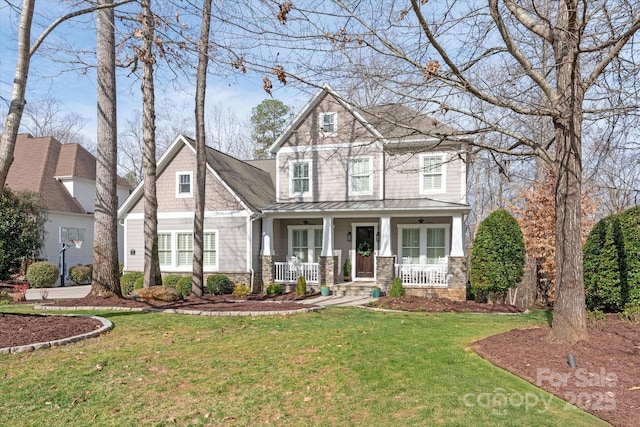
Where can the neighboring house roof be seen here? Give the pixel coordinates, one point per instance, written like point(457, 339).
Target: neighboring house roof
point(39, 164)
point(35, 161)
point(368, 205)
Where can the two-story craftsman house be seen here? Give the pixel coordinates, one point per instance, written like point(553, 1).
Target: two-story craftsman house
point(385, 188)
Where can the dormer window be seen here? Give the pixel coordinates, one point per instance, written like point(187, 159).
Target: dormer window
point(183, 184)
point(329, 123)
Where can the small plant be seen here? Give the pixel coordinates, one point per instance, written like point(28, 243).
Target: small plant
point(183, 286)
point(42, 274)
point(44, 294)
point(346, 268)
point(631, 313)
point(218, 284)
point(171, 280)
point(80, 274)
point(274, 289)
point(127, 281)
point(396, 290)
point(301, 286)
point(19, 292)
point(5, 297)
point(241, 290)
point(375, 292)
point(596, 320)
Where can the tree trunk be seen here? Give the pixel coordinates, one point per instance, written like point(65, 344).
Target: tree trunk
point(197, 285)
point(152, 274)
point(570, 317)
point(105, 249)
point(12, 122)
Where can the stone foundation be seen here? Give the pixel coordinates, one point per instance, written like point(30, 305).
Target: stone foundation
point(385, 271)
point(452, 294)
point(268, 272)
point(327, 270)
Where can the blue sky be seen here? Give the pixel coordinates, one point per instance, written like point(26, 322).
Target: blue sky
point(77, 89)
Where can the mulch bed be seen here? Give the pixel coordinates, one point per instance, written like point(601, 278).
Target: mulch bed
point(434, 305)
point(23, 329)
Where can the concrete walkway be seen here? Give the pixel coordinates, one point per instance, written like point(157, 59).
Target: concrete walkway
point(82, 291)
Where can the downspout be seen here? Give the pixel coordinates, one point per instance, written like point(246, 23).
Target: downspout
point(252, 218)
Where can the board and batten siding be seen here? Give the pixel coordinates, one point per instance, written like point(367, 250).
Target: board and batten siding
point(232, 240)
point(217, 197)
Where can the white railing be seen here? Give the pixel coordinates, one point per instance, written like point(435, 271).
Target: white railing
point(423, 275)
point(288, 272)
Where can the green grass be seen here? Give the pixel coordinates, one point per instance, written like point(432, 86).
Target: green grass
point(337, 367)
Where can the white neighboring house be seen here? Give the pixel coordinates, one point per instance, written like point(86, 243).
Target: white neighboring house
point(64, 175)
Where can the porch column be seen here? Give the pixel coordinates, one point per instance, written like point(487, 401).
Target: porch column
point(327, 236)
point(385, 236)
point(457, 236)
point(267, 237)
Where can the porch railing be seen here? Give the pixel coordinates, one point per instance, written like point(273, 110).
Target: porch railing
point(423, 275)
point(288, 272)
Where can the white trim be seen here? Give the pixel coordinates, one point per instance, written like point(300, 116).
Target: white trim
point(443, 173)
point(321, 117)
point(190, 215)
point(423, 239)
point(324, 147)
point(173, 267)
point(350, 175)
point(180, 194)
point(293, 193)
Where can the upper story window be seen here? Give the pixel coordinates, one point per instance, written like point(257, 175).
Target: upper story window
point(300, 173)
point(432, 173)
point(329, 123)
point(361, 175)
point(184, 187)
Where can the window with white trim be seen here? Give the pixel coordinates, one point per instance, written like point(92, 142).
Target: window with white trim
point(329, 123)
point(67, 234)
point(424, 244)
point(164, 248)
point(432, 173)
point(361, 175)
point(300, 172)
point(210, 250)
point(184, 187)
point(305, 243)
point(184, 249)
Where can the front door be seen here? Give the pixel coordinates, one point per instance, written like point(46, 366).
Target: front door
point(365, 239)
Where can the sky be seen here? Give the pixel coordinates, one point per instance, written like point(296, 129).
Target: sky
point(76, 90)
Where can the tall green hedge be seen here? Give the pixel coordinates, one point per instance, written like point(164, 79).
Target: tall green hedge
point(612, 262)
point(498, 255)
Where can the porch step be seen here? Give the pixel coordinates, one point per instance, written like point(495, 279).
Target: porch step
point(352, 289)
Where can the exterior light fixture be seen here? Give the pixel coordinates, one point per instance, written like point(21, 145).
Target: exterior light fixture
point(349, 236)
point(306, 221)
point(377, 236)
point(421, 220)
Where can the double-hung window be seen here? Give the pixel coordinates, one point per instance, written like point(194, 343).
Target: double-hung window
point(329, 123)
point(432, 174)
point(360, 171)
point(410, 245)
point(164, 248)
point(184, 187)
point(300, 177)
point(184, 249)
point(306, 243)
point(210, 250)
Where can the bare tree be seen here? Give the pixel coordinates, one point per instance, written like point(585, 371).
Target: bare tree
point(105, 281)
point(197, 284)
point(48, 117)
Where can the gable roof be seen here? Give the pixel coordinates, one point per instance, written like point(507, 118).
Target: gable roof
point(34, 169)
point(385, 122)
point(252, 186)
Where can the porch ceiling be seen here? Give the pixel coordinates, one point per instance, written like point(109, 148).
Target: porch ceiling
point(418, 205)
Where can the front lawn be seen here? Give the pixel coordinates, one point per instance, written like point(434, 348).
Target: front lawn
point(340, 366)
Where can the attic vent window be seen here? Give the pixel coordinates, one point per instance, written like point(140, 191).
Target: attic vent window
point(329, 123)
point(183, 184)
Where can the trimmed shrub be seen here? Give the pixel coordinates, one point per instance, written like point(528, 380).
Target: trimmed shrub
point(183, 286)
point(218, 284)
point(42, 274)
point(139, 283)
point(171, 280)
point(396, 290)
point(273, 289)
point(612, 262)
point(127, 281)
point(80, 273)
point(603, 263)
point(498, 255)
point(241, 290)
point(301, 286)
point(631, 313)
